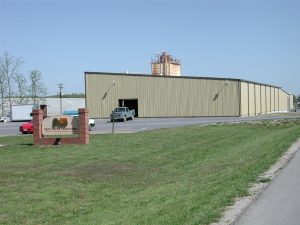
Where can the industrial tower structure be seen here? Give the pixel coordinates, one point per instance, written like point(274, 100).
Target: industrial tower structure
point(165, 65)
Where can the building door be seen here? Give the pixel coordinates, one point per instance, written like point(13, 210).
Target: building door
point(131, 104)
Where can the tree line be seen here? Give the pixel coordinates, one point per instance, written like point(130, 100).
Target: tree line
point(17, 88)
point(72, 95)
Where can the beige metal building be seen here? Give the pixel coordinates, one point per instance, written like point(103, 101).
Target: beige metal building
point(171, 96)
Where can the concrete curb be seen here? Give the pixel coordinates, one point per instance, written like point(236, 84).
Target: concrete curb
point(233, 213)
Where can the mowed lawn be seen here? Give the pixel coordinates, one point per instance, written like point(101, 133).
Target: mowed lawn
point(166, 177)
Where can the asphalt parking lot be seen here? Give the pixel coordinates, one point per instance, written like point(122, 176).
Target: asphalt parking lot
point(144, 124)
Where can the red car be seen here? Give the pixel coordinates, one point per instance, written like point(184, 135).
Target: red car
point(26, 128)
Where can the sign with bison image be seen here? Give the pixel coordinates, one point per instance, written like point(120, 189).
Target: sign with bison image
point(60, 125)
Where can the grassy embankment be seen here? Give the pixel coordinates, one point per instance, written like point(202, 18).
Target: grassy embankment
point(168, 176)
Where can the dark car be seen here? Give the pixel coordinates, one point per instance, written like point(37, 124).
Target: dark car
point(26, 128)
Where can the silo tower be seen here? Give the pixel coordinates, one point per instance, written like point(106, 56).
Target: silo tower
point(165, 65)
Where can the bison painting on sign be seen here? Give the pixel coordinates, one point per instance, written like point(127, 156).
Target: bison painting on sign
point(60, 125)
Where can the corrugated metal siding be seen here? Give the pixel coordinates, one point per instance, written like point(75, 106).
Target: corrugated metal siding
point(291, 98)
point(268, 98)
point(263, 99)
point(177, 97)
point(272, 99)
point(260, 99)
point(162, 96)
point(251, 99)
point(276, 99)
point(244, 99)
point(282, 101)
point(257, 100)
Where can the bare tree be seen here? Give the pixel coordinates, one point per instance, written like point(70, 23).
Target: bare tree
point(14, 86)
point(36, 88)
point(9, 69)
point(22, 89)
point(3, 90)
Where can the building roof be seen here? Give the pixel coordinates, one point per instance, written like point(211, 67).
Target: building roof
point(179, 77)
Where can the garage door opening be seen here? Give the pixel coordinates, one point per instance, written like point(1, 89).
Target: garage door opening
point(131, 104)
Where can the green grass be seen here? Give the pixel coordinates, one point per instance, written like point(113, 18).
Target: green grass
point(168, 176)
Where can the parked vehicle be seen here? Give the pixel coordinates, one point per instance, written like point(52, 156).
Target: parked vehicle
point(5, 119)
point(22, 112)
point(26, 128)
point(91, 124)
point(75, 113)
point(122, 113)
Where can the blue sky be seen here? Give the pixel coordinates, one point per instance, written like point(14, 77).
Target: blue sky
point(256, 40)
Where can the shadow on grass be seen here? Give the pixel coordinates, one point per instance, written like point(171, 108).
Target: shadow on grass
point(27, 144)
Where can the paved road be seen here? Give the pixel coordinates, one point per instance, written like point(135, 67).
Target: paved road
point(279, 204)
point(142, 124)
point(105, 126)
point(10, 128)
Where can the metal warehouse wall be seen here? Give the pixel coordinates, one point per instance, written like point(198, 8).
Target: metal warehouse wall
point(260, 99)
point(291, 103)
point(162, 96)
point(53, 105)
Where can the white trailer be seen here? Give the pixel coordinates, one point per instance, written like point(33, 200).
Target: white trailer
point(22, 112)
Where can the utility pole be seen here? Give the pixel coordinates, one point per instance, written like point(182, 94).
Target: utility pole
point(60, 86)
